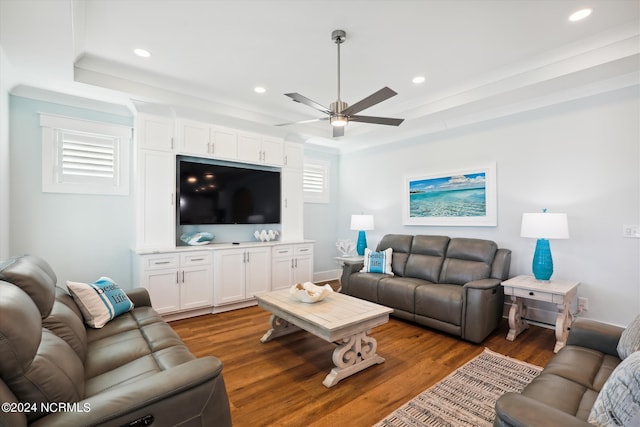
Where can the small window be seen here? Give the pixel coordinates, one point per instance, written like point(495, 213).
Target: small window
point(80, 156)
point(315, 181)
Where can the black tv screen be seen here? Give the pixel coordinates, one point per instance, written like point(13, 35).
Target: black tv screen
point(215, 192)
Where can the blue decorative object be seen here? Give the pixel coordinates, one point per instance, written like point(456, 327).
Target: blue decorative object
point(542, 261)
point(362, 242)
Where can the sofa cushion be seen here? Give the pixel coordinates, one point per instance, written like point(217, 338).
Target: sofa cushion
point(34, 276)
point(365, 286)
point(65, 321)
point(427, 255)
point(398, 292)
point(630, 339)
point(441, 302)
point(377, 262)
point(401, 245)
point(100, 301)
point(618, 403)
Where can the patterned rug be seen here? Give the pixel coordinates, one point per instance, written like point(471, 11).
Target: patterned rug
point(467, 396)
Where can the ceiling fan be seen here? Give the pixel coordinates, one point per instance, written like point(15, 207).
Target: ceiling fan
point(340, 114)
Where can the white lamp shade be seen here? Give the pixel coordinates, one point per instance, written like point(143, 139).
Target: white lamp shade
point(545, 225)
point(362, 222)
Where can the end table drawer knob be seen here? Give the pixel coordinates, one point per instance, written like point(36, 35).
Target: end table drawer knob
point(531, 293)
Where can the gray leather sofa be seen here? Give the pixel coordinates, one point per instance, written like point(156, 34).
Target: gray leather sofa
point(564, 393)
point(449, 284)
point(135, 370)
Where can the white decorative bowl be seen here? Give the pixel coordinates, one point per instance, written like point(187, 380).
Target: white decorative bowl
point(310, 293)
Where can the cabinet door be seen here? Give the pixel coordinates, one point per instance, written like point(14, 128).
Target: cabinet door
point(193, 137)
point(249, 147)
point(164, 289)
point(155, 200)
point(292, 205)
point(224, 142)
point(196, 287)
point(293, 155)
point(272, 151)
point(228, 276)
point(303, 269)
point(281, 273)
point(154, 132)
point(257, 271)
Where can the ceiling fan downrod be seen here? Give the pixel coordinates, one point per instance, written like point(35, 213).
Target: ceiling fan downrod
point(339, 37)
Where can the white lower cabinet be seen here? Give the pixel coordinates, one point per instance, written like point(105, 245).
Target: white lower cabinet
point(291, 264)
point(239, 274)
point(177, 281)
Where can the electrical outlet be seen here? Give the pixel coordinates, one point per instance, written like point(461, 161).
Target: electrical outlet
point(630, 231)
point(583, 304)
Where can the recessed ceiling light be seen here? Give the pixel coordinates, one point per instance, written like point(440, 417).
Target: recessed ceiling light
point(259, 89)
point(579, 15)
point(418, 79)
point(143, 53)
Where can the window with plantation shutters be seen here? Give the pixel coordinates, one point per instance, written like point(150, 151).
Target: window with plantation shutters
point(315, 181)
point(80, 156)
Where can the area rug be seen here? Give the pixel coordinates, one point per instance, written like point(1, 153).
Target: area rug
point(467, 396)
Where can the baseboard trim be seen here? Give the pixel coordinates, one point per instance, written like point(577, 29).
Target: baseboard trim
point(325, 276)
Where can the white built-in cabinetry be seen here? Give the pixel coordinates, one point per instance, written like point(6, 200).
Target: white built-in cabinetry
point(177, 281)
point(184, 281)
point(239, 274)
point(291, 264)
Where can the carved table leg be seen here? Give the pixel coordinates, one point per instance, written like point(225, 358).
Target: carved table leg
point(356, 353)
point(279, 327)
point(563, 322)
point(516, 322)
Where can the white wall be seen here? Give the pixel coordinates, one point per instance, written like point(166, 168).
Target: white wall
point(4, 156)
point(582, 158)
point(81, 236)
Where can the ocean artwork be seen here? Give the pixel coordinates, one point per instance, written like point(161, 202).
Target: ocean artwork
point(450, 196)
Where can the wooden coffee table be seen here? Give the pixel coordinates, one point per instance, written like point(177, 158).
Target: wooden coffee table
point(337, 318)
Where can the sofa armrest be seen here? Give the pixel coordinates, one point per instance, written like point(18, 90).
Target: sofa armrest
point(516, 410)
point(595, 335)
point(172, 396)
point(483, 284)
point(348, 268)
point(139, 297)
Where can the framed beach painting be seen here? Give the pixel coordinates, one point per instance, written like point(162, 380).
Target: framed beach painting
point(460, 198)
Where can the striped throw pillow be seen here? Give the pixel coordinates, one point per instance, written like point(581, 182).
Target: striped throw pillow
point(377, 262)
point(100, 301)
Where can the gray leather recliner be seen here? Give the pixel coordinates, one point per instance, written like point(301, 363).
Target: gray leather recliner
point(449, 284)
point(54, 371)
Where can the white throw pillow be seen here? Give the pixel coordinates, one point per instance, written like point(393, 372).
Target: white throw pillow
point(99, 302)
point(377, 262)
point(618, 403)
point(630, 339)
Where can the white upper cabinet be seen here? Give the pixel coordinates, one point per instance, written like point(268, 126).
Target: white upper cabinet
point(259, 149)
point(293, 155)
point(203, 139)
point(154, 132)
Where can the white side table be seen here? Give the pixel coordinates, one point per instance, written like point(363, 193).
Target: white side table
point(345, 260)
point(559, 292)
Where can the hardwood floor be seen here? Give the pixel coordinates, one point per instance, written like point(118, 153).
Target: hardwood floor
point(279, 383)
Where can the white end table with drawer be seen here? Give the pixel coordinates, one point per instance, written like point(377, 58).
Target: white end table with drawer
point(559, 292)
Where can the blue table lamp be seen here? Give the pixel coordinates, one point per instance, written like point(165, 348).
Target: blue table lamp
point(544, 226)
point(361, 223)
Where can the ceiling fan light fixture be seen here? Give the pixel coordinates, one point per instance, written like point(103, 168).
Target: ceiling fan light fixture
point(339, 120)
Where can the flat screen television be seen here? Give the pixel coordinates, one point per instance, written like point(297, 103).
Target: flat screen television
point(217, 192)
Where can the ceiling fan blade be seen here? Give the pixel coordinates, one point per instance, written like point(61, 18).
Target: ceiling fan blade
point(373, 99)
point(302, 121)
point(338, 131)
point(376, 120)
point(306, 101)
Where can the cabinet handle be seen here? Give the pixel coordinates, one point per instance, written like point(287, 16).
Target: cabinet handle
point(291, 262)
point(286, 203)
point(296, 262)
point(286, 160)
point(304, 250)
point(247, 256)
point(172, 143)
point(161, 262)
point(177, 277)
point(213, 148)
point(197, 259)
point(283, 252)
point(182, 276)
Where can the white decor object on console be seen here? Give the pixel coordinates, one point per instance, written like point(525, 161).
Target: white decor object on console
point(345, 246)
point(266, 235)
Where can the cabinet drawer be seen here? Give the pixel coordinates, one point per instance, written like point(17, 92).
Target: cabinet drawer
point(281, 251)
point(531, 294)
point(159, 262)
point(195, 258)
point(304, 250)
